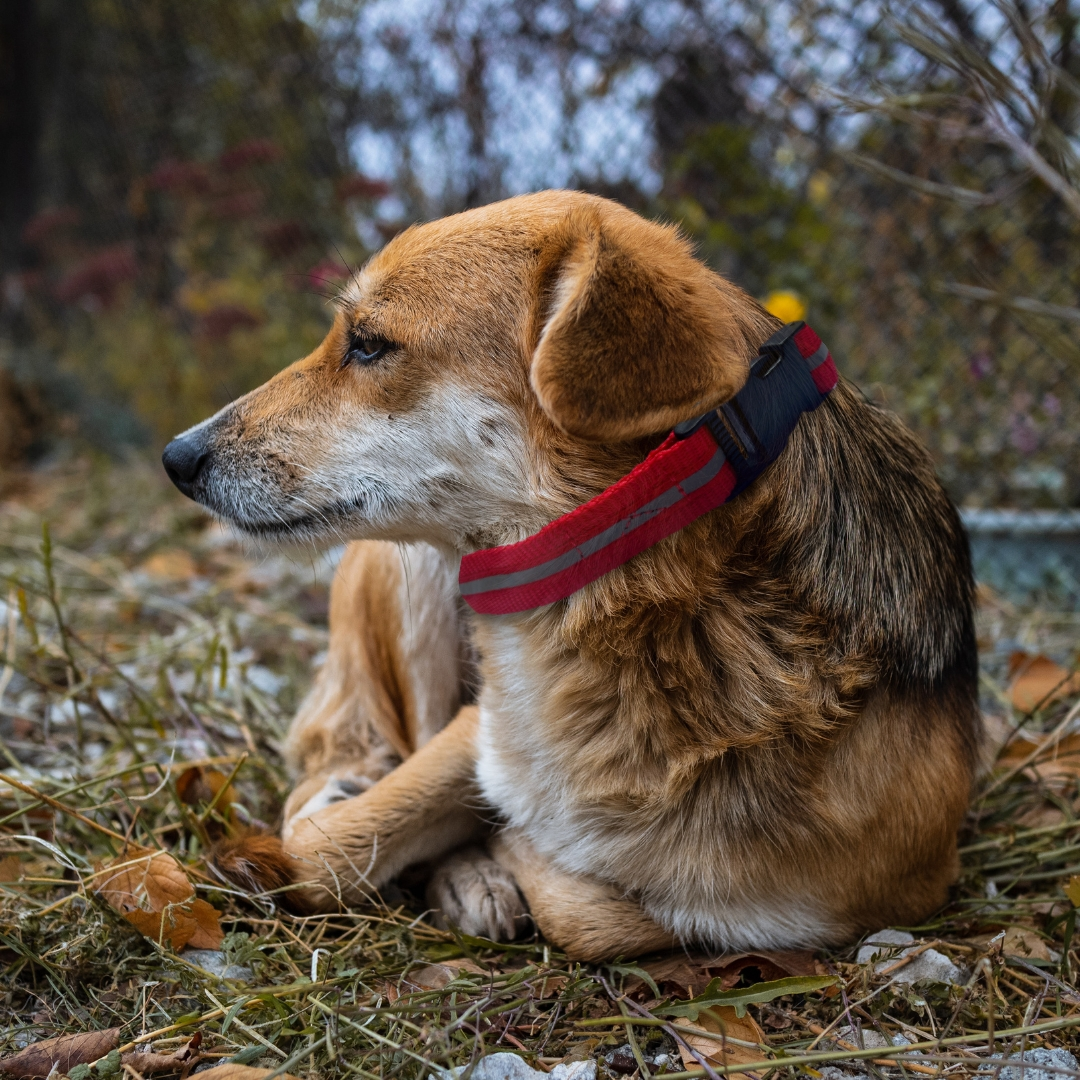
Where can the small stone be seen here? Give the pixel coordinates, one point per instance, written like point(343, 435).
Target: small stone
point(1040, 1055)
point(214, 961)
point(511, 1067)
point(884, 941)
point(621, 1060)
point(928, 966)
point(869, 1039)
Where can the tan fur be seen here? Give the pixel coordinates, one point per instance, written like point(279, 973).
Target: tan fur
point(422, 809)
point(589, 919)
point(394, 673)
point(759, 732)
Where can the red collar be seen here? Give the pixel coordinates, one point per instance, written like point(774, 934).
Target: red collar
point(701, 465)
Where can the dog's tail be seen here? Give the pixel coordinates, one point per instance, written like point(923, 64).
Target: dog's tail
point(256, 862)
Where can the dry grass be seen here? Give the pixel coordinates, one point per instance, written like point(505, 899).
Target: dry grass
point(139, 641)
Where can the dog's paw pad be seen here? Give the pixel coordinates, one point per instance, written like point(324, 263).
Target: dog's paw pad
point(474, 893)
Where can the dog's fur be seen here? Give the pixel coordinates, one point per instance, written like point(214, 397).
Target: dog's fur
point(761, 732)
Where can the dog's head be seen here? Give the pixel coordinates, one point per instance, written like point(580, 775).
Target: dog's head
point(484, 374)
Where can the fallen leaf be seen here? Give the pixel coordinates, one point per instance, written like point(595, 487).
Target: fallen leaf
point(1072, 890)
point(1025, 943)
point(684, 975)
point(1040, 816)
point(181, 1060)
point(436, 976)
point(151, 891)
point(1037, 681)
point(1057, 758)
point(240, 1072)
point(198, 784)
point(722, 1021)
point(172, 565)
point(10, 868)
point(65, 1052)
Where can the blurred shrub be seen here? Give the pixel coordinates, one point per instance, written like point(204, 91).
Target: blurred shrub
point(190, 170)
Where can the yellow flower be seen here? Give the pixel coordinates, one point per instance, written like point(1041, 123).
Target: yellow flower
point(785, 304)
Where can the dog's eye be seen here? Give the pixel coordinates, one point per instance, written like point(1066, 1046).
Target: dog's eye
point(365, 350)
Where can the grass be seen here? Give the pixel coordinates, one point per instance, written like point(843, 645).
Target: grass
point(138, 641)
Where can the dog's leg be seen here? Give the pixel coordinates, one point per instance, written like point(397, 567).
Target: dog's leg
point(421, 810)
point(395, 673)
point(397, 670)
point(587, 919)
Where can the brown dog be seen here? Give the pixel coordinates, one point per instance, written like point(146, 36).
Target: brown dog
point(760, 732)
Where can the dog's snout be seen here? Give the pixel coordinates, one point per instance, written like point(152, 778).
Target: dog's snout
point(184, 459)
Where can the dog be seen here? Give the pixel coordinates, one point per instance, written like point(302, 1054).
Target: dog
point(759, 732)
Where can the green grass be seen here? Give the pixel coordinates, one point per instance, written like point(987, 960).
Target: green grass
point(136, 640)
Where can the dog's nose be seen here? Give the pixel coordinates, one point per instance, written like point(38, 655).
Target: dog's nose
point(184, 459)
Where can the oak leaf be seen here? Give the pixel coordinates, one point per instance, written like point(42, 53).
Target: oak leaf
point(1025, 944)
point(240, 1072)
point(723, 1021)
point(1057, 757)
point(1037, 682)
point(65, 1052)
point(181, 1060)
point(683, 974)
point(174, 564)
point(151, 891)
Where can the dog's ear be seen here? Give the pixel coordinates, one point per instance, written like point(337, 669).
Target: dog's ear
point(639, 334)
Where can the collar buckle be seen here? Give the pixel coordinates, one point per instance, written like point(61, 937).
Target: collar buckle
point(771, 351)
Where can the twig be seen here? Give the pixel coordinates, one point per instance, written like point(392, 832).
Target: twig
point(57, 805)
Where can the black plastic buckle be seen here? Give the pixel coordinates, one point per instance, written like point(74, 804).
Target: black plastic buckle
point(772, 351)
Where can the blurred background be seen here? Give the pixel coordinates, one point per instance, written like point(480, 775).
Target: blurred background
point(185, 183)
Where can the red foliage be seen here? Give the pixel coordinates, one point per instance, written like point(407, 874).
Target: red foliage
point(250, 152)
point(240, 204)
point(219, 322)
point(362, 187)
point(46, 222)
point(99, 275)
point(284, 238)
point(180, 177)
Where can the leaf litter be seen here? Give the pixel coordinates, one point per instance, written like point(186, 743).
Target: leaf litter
point(149, 666)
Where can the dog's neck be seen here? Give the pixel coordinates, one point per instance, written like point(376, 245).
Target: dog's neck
point(703, 463)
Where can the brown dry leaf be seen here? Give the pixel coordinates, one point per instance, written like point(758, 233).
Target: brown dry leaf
point(172, 565)
point(199, 784)
point(1040, 816)
point(240, 1072)
point(722, 1020)
point(65, 1052)
point(1037, 681)
point(1060, 758)
point(10, 868)
point(151, 891)
point(685, 976)
point(1025, 944)
point(181, 1060)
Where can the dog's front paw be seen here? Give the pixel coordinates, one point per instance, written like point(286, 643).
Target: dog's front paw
point(474, 893)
